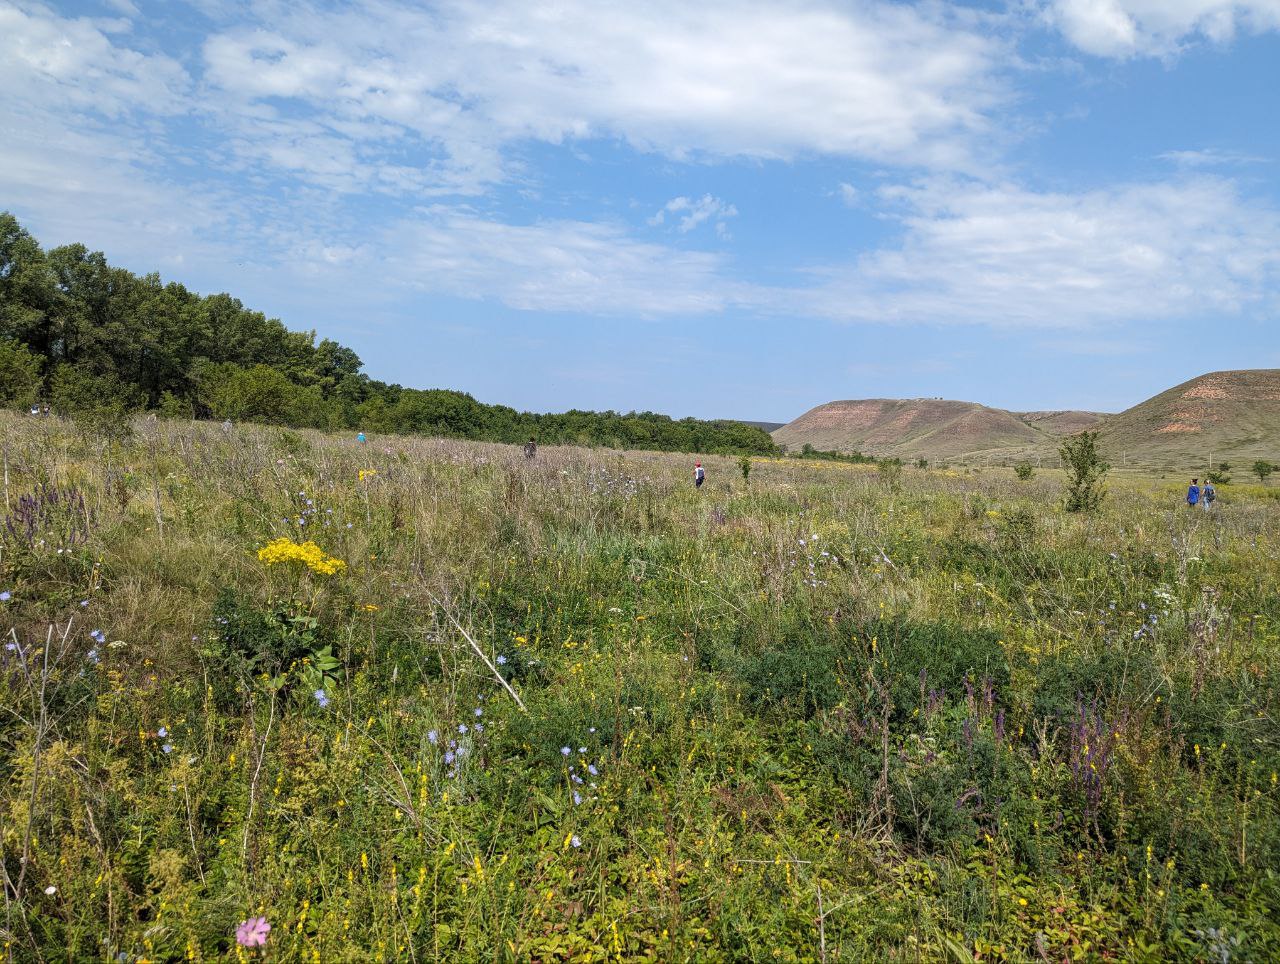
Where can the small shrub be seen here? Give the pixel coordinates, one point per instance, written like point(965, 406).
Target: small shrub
point(1024, 471)
point(890, 472)
point(1085, 471)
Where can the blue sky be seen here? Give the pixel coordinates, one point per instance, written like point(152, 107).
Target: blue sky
point(713, 209)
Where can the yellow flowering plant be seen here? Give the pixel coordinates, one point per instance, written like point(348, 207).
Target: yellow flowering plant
point(285, 550)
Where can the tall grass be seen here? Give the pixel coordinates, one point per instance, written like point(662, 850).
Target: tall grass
point(814, 717)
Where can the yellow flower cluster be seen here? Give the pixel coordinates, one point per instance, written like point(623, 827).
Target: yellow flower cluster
point(367, 474)
point(307, 553)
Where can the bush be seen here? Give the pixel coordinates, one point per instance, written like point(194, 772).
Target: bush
point(100, 402)
point(1024, 471)
point(19, 374)
point(1085, 472)
point(890, 472)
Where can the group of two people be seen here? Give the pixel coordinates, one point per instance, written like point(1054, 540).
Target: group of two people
point(1204, 495)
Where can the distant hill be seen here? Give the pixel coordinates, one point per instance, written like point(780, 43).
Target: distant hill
point(1061, 423)
point(933, 428)
point(1232, 415)
point(763, 426)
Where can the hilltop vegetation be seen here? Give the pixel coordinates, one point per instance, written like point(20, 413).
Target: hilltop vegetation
point(808, 717)
point(100, 341)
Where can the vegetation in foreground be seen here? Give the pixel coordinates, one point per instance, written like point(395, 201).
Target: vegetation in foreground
point(252, 708)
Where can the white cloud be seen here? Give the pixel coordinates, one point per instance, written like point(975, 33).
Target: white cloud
point(465, 79)
point(1008, 257)
point(848, 194)
point(67, 63)
point(695, 212)
point(1210, 157)
point(1128, 28)
point(566, 266)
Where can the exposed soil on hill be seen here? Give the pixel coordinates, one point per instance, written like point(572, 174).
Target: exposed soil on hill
point(1232, 415)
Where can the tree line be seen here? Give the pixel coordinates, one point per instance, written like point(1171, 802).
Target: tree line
point(90, 338)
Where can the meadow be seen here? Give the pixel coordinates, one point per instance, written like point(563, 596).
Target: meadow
point(271, 694)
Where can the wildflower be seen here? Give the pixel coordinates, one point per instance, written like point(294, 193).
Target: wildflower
point(162, 732)
point(168, 748)
point(591, 768)
point(308, 553)
point(582, 749)
point(253, 932)
point(449, 757)
point(50, 890)
point(93, 657)
point(98, 636)
point(83, 603)
point(433, 737)
point(502, 661)
point(565, 751)
point(577, 798)
point(574, 841)
point(321, 698)
point(479, 727)
point(5, 596)
point(462, 728)
point(479, 712)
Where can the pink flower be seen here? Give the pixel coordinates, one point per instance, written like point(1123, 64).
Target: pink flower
point(253, 932)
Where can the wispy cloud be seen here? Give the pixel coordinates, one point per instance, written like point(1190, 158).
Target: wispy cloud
point(1004, 256)
point(563, 266)
point(689, 213)
point(1210, 157)
point(1132, 28)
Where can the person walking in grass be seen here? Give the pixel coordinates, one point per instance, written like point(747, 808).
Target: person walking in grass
point(1193, 493)
point(1208, 495)
point(699, 476)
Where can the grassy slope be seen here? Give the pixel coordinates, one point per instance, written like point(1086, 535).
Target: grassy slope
point(1229, 415)
point(950, 721)
point(933, 428)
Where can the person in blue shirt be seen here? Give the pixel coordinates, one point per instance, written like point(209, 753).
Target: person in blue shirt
point(1193, 493)
point(360, 436)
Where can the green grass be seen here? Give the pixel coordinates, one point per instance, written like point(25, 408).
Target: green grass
point(959, 724)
